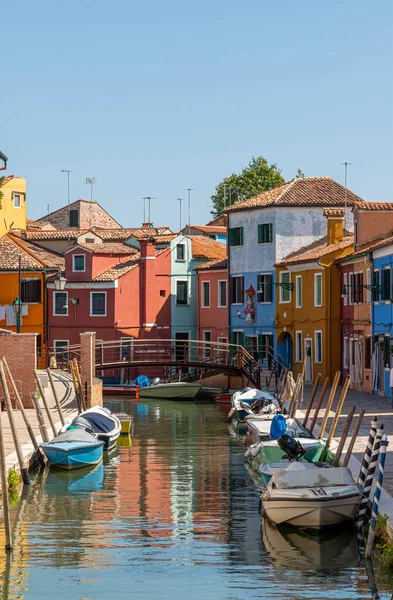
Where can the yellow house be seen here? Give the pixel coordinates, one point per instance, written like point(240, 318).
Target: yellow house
point(308, 301)
point(12, 203)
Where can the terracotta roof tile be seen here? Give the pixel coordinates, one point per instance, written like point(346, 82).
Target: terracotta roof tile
point(370, 246)
point(106, 248)
point(32, 256)
point(159, 238)
point(306, 191)
point(204, 247)
point(122, 234)
point(219, 264)
point(119, 270)
point(54, 234)
point(376, 206)
point(214, 229)
point(220, 221)
point(314, 251)
point(6, 179)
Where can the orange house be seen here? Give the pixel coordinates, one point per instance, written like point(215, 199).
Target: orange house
point(24, 268)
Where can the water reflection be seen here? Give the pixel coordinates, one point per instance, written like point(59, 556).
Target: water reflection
point(173, 515)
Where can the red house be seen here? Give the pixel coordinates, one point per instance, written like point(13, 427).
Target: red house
point(212, 288)
point(111, 289)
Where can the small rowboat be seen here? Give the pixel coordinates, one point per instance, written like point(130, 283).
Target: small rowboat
point(73, 449)
point(102, 422)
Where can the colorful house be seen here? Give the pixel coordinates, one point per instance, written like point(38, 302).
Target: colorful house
point(308, 301)
point(187, 252)
point(262, 231)
point(12, 203)
point(214, 232)
point(24, 269)
point(212, 286)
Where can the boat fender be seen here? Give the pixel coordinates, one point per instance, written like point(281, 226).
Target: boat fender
point(231, 412)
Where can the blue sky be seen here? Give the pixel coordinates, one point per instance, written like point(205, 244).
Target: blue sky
point(153, 97)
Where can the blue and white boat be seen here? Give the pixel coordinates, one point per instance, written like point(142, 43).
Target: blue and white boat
point(73, 449)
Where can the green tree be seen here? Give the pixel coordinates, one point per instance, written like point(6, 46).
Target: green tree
point(257, 177)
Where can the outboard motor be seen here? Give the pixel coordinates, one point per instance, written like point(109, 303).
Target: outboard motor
point(292, 448)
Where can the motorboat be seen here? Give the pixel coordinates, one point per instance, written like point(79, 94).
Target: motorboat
point(250, 401)
point(102, 422)
point(170, 391)
point(311, 497)
point(73, 449)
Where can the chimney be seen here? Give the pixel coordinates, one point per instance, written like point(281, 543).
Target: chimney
point(335, 224)
point(147, 284)
point(147, 225)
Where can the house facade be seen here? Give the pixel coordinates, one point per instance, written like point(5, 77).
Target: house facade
point(308, 302)
point(212, 287)
point(12, 204)
point(81, 214)
point(262, 231)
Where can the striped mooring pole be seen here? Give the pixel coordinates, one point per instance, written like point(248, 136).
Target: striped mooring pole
point(377, 496)
point(372, 467)
point(367, 454)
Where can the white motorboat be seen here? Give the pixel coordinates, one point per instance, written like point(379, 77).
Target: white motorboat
point(170, 391)
point(249, 402)
point(259, 427)
point(312, 498)
point(102, 422)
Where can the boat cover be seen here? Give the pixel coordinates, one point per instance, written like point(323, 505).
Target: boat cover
point(278, 427)
point(98, 422)
point(307, 478)
point(255, 395)
point(142, 381)
point(75, 435)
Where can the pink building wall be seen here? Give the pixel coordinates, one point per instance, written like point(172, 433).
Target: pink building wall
point(214, 318)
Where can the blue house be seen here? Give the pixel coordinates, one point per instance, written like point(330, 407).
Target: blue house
point(262, 231)
point(382, 316)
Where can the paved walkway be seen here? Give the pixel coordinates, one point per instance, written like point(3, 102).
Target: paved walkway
point(66, 395)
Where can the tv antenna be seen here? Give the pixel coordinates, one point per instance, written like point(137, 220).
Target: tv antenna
point(68, 183)
point(148, 198)
point(180, 200)
point(46, 206)
point(346, 165)
point(189, 190)
point(90, 181)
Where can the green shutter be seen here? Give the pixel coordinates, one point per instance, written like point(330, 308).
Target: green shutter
point(260, 343)
point(269, 233)
point(240, 236)
point(241, 338)
point(260, 234)
point(231, 236)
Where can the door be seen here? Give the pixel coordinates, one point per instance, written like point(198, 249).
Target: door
point(308, 355)
point(181, 345)
point(252, 345)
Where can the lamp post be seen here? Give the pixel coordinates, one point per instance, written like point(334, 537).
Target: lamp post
point(17, 306)
point(60, 283)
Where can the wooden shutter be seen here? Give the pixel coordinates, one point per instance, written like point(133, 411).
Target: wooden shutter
point(259, 287)
point(241, 289)
point(231, 294)
point(260, 234)
point(231, 236)
point(269, 233)
point(260, 347)
point(375, 291)
point(361, 289)
point(268, 288)
point(240, 236)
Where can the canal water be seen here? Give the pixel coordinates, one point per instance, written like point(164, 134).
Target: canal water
point(174, 516)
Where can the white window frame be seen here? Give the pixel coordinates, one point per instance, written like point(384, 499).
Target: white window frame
point(84, 263)
point(299, 278)
point(316, 277)
point(222, 340)
point(238, 331)
point(184, 253)
point(368, 290)
point(14, 194)
point(350, 288)
point(237, 277)
point(345, 351)
point(206, 281)
point(188, 293)
point(271, 286)
point(345, 289)
point(298, 346)
point(316, 332)
point(283, 289)
point(219, 303)
point(55, 314)
point(91, 304)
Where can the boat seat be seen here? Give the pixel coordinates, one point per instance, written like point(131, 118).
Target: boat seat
point(309, 478)
point(97, 422)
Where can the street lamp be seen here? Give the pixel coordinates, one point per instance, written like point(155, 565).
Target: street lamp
point(60, 283)
point(17, 306)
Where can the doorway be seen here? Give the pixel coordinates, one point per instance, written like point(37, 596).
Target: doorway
point(252, 345)
point(181, 345)
point(308, 355)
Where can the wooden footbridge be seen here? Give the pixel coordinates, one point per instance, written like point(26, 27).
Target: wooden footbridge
point(186, 355)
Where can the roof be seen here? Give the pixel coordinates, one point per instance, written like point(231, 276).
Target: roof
point(6, 179)
point(54, 234)
point(31, 224)
point(72, 204)
point(217, 229)
point(33, 257)
point(370, 246)
point(141, 234)
point(376, 206)
point(204, 247)
point(107, 248)
point(118, 270)
point(303, 191)
point(220, 221)
point(122, 234)
point(219, 264)
point(314, 251)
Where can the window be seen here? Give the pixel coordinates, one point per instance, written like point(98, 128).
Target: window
point(205, 294)
point(358, 288)
point(181, 293)
point(285, 292)
point(17, 198)
point(74, 218)
point(127, 348)
point(162, 293)
point(264, 288)
point(351, 289)
point(318, 289)
point(78, 262)
point(237, 337)
point(318, 347)
point(222, 293)
point(299, 346)
point(236, 236)
point(90, 241)
point(298, 291)
point(368, 352)
point(375, 291)
point(237, 289)
point(98, 304)
point(346, 348)
point(386, 351)
point(30, 291)
point(60, 303)
point(345, 290)
point(61, 347)
point(207, 337)
point(180, 252)
point(385, 284)
point(265, 234)
point(265, 346)
point(368, 279)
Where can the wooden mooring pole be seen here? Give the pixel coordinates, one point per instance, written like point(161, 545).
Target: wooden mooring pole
point(319, 404)
point(4, 487)
point(353, 437)
point(54, 392)
point(23, 470)
point(329, 404)
point(40, 417)
point(311, 400)
point(45, 403)
point(344, 436)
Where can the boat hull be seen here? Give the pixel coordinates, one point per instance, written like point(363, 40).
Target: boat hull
point(223, 399)
point(70, 456)
point(119, 390)
point(270, 452)
point(170, 391)
point(311, 512)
